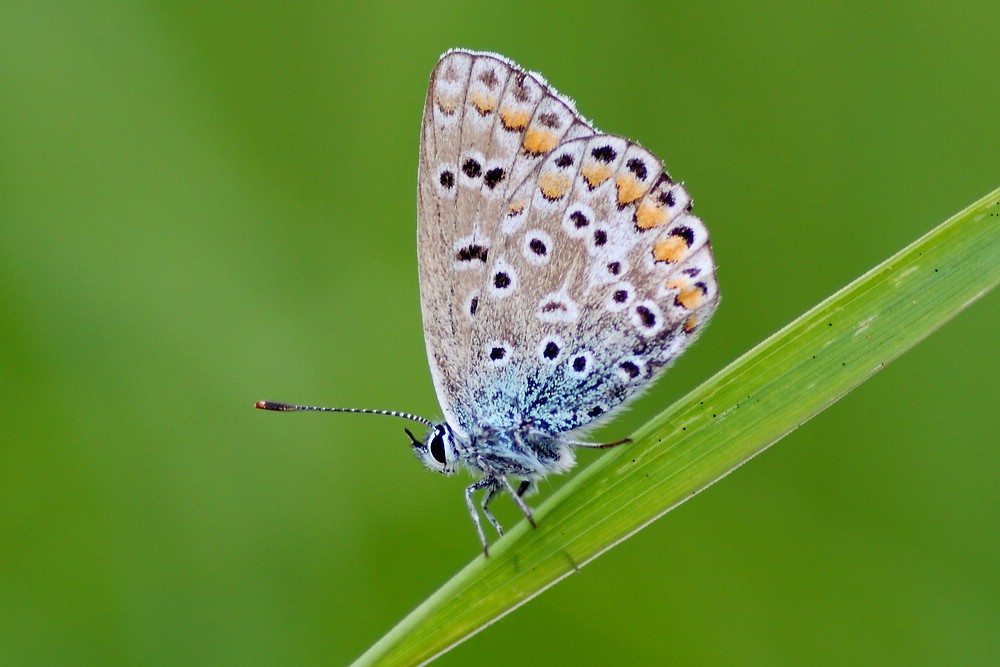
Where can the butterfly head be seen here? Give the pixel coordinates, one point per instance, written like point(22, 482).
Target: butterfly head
point(438, 451)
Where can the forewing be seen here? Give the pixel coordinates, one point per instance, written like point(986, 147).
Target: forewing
point(487, 125)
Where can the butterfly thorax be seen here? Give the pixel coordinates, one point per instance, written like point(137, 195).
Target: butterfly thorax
point(525, 452)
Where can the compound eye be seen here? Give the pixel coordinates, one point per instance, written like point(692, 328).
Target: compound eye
point(437, 449)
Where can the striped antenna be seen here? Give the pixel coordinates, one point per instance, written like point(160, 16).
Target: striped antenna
point(286, 407)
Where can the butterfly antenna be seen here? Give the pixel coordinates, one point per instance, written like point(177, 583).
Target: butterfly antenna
point(286, 407)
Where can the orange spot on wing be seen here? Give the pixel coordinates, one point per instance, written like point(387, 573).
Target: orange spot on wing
point(553, 185)
point(650, 215)
point(677, 284)
point(447, 105)
point(539, 141)
point(669, 249)
point(629, 189)
point(691, 323)
point(484, 102)
point(690, 298)
point(596, 173)
point(514, 119)
point(517, 207)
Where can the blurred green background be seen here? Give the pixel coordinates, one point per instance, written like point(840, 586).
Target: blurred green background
point(203, 204)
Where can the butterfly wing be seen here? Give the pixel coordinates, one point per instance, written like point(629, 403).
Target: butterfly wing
point(487, 125)
point(598, 278)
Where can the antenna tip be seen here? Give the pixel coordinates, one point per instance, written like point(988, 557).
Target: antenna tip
point(268, 405)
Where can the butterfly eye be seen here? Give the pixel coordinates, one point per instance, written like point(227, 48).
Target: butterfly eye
point(437, 452)
point(437, 449)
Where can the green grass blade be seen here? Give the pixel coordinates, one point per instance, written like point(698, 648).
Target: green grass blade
point(738, 413)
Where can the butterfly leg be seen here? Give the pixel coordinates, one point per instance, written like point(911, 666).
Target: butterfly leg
point(519, 500)
point(490, 493)
point(485, 482)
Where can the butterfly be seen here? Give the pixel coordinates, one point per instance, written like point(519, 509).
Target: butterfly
point(561, 272)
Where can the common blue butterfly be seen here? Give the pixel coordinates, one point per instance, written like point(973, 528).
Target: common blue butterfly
point(561, 272)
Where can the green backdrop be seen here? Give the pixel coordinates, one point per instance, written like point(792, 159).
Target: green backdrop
point(203, 204)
